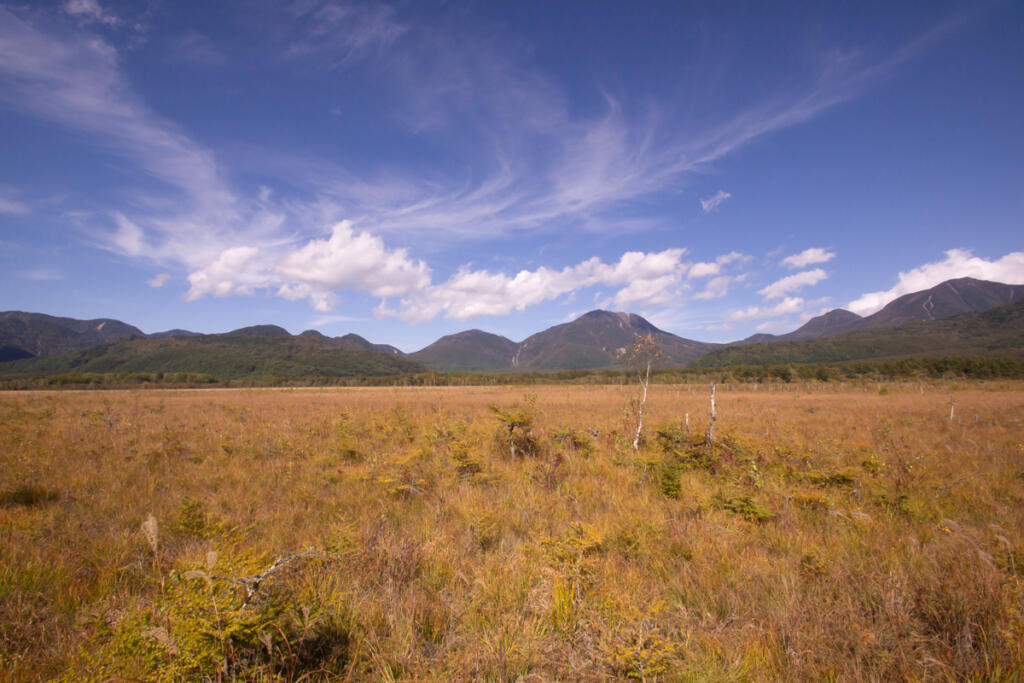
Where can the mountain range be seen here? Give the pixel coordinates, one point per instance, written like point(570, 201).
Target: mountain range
point(598, 339)
point(952, 297)
point(931, 321)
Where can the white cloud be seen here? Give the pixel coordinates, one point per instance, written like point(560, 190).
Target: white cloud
point(651, 279)
point(716, 288)
point(359, 261)
point(341, 32)
point(347, 260)
point(784, 307)
point(320, 299)
point(76, 81)
point(711, 203)
point(548, 170)
point(10, 204)
point(12, 207)
point(90, 11)
point(354, 261)
point(660, 291)
point(705, 269)
point(958, 263)
point(128, 238)
point(235, 271)
point(781, 288)
point(808, 257)
point(158, 280)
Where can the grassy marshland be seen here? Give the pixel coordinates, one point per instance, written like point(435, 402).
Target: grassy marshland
point(846, 534)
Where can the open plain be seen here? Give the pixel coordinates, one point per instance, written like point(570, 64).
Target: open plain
point(858, 532)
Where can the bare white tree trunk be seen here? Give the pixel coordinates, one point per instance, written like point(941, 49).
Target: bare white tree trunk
point(952, 403)
point(640, 408)
point(711, 424)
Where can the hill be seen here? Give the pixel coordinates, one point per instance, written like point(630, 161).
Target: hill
point(173, 333)
point(41, 335)
point(354, 341)
point(995, 332)
point(953, 297)
point(237, 355)
point(949, 298)
point(600, 339)
point(471, 351)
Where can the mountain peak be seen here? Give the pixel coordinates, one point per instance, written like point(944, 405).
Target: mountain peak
point(472, 350)
point(622, 319)
point(944, 300)
point(262, 331)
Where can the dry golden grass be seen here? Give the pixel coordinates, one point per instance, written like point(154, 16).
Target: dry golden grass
point(831, 534)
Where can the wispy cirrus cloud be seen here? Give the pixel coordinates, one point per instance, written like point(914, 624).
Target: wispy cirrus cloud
point(548, 169)
point(340, 32)
point(11, 204)
point(91, 11)
point(43, 274)
point(196, 49)
point(784, 286)
point(958, 263)
point(711, 203)
point(788, 305)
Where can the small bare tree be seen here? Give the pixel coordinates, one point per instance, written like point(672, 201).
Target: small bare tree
point(711, 422)
point(644, 354)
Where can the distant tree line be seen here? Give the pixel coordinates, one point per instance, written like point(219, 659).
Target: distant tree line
point(974, 367)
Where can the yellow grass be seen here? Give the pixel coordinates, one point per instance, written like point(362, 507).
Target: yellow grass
point(845, 534)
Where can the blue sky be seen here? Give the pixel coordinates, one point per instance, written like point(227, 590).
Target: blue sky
point(408, 170)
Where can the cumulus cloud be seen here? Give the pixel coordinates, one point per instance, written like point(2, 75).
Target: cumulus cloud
point(784, 307)
point(808, 257)
point(716, 288)
point(359, 261)
point(349, 260)
point(706, 269)
point(650, 279)
point(235, 271)
point(958, 263)
point(781, 288)
point(659, 291)
point(711, 203)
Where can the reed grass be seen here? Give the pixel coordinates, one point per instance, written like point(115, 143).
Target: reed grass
point(827, 533)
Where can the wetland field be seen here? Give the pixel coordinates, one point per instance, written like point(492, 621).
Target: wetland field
point(858, 532)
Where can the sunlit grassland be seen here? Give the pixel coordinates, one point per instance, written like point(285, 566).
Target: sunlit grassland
point(830, 532)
